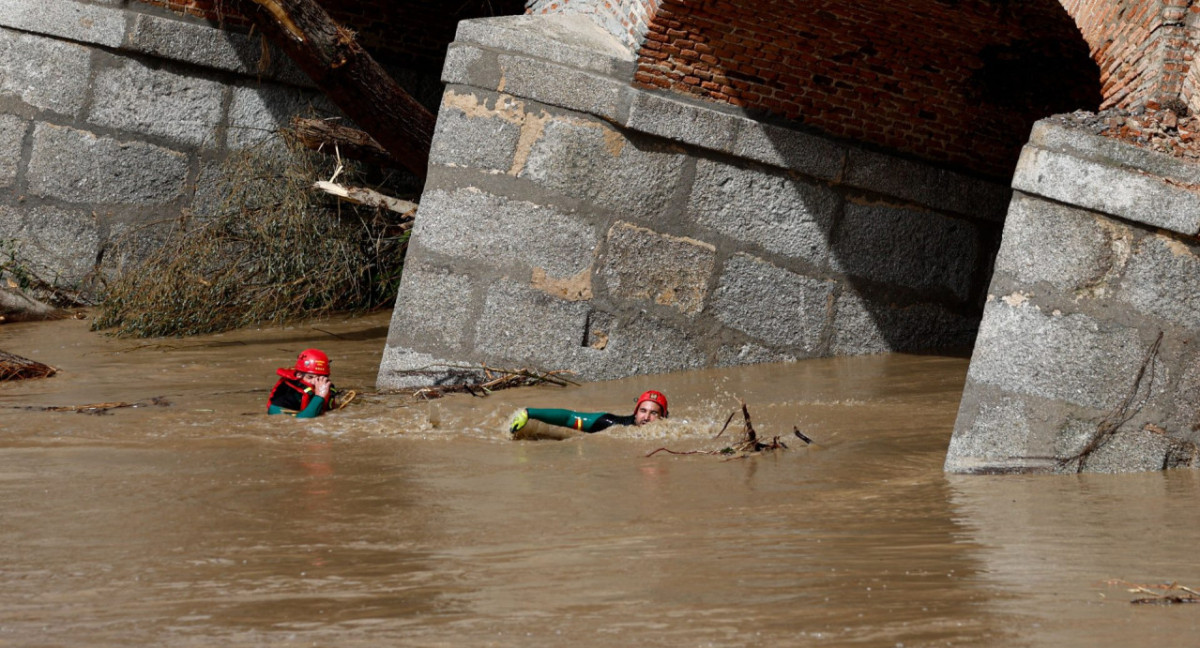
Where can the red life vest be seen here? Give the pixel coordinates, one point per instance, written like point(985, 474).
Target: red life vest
point(291, 393)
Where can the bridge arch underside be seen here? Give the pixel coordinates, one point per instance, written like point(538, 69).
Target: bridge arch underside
point(954, 82)
point(757, 183)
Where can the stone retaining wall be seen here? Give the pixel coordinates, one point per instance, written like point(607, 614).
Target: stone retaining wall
point(1099, 259)
point(113, 118)
point(572, 221)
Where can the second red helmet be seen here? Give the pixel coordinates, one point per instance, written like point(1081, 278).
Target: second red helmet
point(653, 397)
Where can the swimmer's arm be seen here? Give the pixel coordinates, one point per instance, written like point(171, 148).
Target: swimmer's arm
point(315, 405)
point(582, 421)
point(312, 411)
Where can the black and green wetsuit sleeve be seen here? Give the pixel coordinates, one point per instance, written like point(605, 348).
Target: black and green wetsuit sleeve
point(315, 405)
point(583, 421)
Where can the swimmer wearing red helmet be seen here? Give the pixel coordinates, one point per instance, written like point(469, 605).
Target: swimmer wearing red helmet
point(650, 406)
point(304, 390)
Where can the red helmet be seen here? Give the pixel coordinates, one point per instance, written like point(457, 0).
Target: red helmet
point(313, 361)
point(653, 397)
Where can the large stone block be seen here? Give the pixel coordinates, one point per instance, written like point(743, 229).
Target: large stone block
point(405, 368)
point(1072, 358)
point(77, 21)
point(572, 40)
point(997, 437)
point(925, 185)
point(58, 245)
point(12, 133)
point(1128, 193)
point(1068, 248)
point(679, 119)
point(436, 308)
point(639, 344)
point(778, 307)
point(1154, 283)
point(529, 327)
point(472, 134)
point(470, 224)
point(154, 101)
point(570, 88)
point(810, 155)
point(78, 166)
point(207, 46)
point(861, 327)
point(919, 250)
point(258, 112)
point(591, 161)
point(776, 212)
point(44, 73)
point(646, 266)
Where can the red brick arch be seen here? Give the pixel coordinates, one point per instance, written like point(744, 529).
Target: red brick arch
point(953, 81)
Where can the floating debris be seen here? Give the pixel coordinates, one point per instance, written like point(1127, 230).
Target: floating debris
point(497, 379)
point(749, 443)
point(98, 408)
point(1166, 594)
point(14, 367)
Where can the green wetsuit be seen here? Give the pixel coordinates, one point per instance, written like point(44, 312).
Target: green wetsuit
point(583, 421)
point(315, 406)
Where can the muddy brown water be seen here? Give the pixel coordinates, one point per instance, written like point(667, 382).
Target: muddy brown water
point(394, 522)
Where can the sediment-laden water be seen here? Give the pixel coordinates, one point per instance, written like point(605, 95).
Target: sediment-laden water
point(203, 522)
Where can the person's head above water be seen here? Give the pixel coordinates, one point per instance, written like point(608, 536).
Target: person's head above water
point(651, 406)
point(310, 364)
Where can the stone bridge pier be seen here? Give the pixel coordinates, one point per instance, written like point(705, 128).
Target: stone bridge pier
point(573, 221)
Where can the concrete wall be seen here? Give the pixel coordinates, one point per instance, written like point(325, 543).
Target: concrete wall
point(572, 221)
point(1099, 258)
point(113, 120)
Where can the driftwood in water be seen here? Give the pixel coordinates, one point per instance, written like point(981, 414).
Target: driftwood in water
point(497, 379)
point(747, 445)
point(13, 367)
point(344, 141)
point(1166, 594)
point(100, 408)
point(335, 61)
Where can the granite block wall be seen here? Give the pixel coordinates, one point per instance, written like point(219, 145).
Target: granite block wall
point(573, 221)
point(113, 117)
point(1087, 358)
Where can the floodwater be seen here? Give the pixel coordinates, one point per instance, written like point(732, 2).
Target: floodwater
point(203, 522)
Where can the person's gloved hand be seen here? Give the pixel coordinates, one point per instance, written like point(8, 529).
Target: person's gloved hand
point(519, 419)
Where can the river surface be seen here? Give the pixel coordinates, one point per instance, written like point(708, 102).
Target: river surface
point(200, 521)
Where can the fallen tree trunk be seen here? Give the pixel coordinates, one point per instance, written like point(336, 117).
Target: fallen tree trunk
point(16, 306)
point(328, 137)
point(13, 367)
point(331, 56)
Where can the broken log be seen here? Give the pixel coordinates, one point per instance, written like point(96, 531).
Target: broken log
point(331, 56)
point(14, 367)
point(368, 197)
point(334, 139)
point(16, 306)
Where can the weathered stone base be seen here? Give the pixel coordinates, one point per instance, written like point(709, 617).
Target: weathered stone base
point(113, 120)
point(572, 221)
point(1099, 257)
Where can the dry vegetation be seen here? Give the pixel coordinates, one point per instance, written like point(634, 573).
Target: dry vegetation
point(275, 251)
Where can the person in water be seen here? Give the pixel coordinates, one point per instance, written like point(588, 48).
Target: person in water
point(304, 390)
point(650, 406)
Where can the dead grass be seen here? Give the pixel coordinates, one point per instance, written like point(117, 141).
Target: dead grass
point(275, 251)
